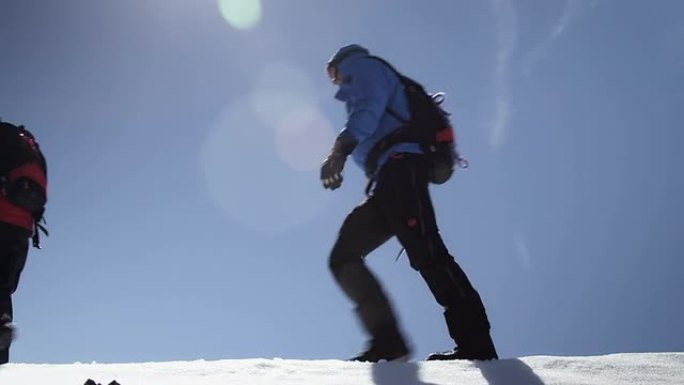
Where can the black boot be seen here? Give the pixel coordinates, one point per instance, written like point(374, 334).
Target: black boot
point(469, 327)
point(478, 347)
point(374, 312)
point(395, 351)
point(6, 337)
point(388, 345)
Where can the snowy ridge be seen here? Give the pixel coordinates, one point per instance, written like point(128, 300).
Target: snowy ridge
point(616, 369)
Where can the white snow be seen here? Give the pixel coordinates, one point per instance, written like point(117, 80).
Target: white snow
point(616, 369)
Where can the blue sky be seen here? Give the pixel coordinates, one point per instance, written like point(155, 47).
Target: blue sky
point(187, 220)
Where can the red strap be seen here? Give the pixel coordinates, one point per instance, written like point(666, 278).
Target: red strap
point(14, 215)
point(446, 135)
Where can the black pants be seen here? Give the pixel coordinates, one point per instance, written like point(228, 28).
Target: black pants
point(401, 206)
point(14, 243)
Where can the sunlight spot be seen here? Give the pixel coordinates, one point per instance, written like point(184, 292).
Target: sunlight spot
point(285, 101)
point(259, 178)
point(241, 14)
point(286, 76)
point(303, 138)
point(281, 88)
point(272, 105)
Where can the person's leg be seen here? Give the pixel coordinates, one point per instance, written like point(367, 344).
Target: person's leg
point(13, 251)
point(464, 311)
point(406, 201)
point(363, 231)
point(6, 336)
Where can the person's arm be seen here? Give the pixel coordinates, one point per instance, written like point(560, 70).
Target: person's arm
point(369, 88)
point(331, 170)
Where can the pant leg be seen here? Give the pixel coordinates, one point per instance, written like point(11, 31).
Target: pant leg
point(403, 195)
point(13, 252)
point(363, 231)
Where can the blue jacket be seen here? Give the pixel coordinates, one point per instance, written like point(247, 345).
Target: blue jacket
point(368, 88)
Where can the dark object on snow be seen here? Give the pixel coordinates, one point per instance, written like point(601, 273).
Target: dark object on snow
point(91, 382)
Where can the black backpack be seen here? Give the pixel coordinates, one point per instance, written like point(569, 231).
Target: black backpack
point(18, 147)
point(429, 126)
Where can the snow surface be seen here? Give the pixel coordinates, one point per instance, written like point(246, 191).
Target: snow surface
point(616, 369)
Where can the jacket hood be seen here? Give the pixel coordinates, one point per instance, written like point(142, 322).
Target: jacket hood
point(348, 51)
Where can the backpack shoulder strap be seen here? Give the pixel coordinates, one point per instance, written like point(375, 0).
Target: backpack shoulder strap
point(405, 82)
point(385, 62)
point(403, 79)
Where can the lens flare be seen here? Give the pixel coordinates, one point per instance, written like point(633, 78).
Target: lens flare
point(261, 156)
point(284, 100)
point(250, 181)
point(302, 138)
point(241, 14)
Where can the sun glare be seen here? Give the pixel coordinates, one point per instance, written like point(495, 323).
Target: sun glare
point(241, 14)
point(264, 151)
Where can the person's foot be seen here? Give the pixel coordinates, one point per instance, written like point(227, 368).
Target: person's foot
point(6, 336)
point(389, 351)
point(462, 354)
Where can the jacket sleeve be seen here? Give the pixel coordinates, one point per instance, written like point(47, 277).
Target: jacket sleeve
point(369, 88)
